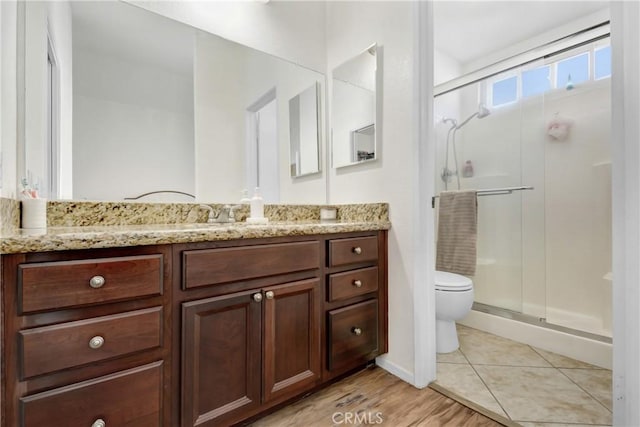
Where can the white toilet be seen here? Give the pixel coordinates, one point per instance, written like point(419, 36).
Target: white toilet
point(454, 297)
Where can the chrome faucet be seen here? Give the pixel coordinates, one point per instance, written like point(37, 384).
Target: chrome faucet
point(211, 217)
point(225, 215)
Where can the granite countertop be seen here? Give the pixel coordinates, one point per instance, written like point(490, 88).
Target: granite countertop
point(91, 237)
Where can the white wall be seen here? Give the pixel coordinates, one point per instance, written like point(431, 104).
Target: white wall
point(54, 17)
point(222, 97)
point(352, 27)
point(8, 58)
point(133, 123)
point(287, 29)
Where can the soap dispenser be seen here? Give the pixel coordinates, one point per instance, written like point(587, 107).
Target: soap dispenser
point(245, 200)
point(257, 209)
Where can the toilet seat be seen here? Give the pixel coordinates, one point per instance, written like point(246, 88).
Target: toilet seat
point(452, 282)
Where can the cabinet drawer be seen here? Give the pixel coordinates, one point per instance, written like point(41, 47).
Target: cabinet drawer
point(127, 398)
point(52, 348)
point(55, 285)
point(353, 283)
point(353, 250)
point(211, 266)
point(353, 334)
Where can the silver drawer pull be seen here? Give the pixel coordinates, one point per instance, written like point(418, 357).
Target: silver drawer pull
point(357, 250)
point(257, 297)
point(356, 331)
point(269, 294)
point(96, 342)
point(99, 423)
point(357, 283)
point(96, 282)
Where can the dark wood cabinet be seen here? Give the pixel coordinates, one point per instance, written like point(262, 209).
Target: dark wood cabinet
point(86, 338)
point(195, 334)
point(291, 339)
point(221, 358)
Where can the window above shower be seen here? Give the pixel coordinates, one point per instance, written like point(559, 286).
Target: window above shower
point(558, 72)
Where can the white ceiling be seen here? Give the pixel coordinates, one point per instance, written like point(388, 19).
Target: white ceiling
point(468, 30)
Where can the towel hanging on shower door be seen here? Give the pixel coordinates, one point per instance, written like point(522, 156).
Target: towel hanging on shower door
point(456, 250)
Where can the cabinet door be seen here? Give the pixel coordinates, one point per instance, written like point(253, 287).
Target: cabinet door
point(291, 339)
point(220, 358)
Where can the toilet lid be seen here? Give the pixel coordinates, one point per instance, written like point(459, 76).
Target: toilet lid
point(446, 281)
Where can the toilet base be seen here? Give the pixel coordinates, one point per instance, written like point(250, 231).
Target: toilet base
point(446, 336)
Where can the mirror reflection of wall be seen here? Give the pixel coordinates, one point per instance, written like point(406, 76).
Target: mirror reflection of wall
point(147, 104)
point(353, 106)
point(304, 123)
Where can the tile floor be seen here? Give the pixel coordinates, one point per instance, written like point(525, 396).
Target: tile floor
point(533, 387)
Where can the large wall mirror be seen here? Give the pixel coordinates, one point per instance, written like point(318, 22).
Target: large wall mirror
point(353, 109)
point(122, 102)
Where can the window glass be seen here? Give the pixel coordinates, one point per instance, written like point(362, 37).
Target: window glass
point(603, 63)
point(576, 67)
point(535, 81)
point(505, 91)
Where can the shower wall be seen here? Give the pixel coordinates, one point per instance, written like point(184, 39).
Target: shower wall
point(545, 252)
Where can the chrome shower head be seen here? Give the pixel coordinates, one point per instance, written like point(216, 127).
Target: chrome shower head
point(482, 112)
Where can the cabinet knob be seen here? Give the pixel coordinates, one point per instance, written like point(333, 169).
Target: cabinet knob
point(96, 282)
point(257, 297)
point(357, 283)
point(357, 250)
point(96, 342)
point(356, 331)
point(99, 423)
point(269, 294)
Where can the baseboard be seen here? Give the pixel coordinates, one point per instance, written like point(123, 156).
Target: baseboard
point(395, 370)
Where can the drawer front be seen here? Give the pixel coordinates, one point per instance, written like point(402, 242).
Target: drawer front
point(353, 283)
point(353, 250)
point(52, 348)
point(127, 398)
point(353, 334)
point(211, 266)
point(55, 285)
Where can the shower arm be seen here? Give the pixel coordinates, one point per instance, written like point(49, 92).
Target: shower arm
point(467, 120)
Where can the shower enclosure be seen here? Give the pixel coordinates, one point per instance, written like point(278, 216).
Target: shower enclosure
point(544, 255)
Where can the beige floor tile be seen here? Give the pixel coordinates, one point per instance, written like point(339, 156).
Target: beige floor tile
point(483, 348)
point(462, 380)
point(596, 382)
point(453, 357)
point(542, 395)
point(560, 361)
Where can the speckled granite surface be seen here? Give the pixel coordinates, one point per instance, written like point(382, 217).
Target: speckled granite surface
point(81, 213)
point(84, 225)
point(9, 213)
point(66, 238)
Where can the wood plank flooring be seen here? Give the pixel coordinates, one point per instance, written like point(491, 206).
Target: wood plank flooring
point(375, 397)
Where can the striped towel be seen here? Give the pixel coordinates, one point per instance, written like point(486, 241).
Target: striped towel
point(457, 232)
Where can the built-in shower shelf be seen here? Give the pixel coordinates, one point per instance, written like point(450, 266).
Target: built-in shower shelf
point(485, 261)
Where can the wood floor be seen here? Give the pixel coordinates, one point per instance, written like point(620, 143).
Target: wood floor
point(375, 397)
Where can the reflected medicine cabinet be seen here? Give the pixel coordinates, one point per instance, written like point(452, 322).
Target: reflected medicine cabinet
point(353, 105)
point(304, 131)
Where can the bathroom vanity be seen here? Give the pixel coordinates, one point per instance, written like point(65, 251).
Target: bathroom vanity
point(206, 330)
